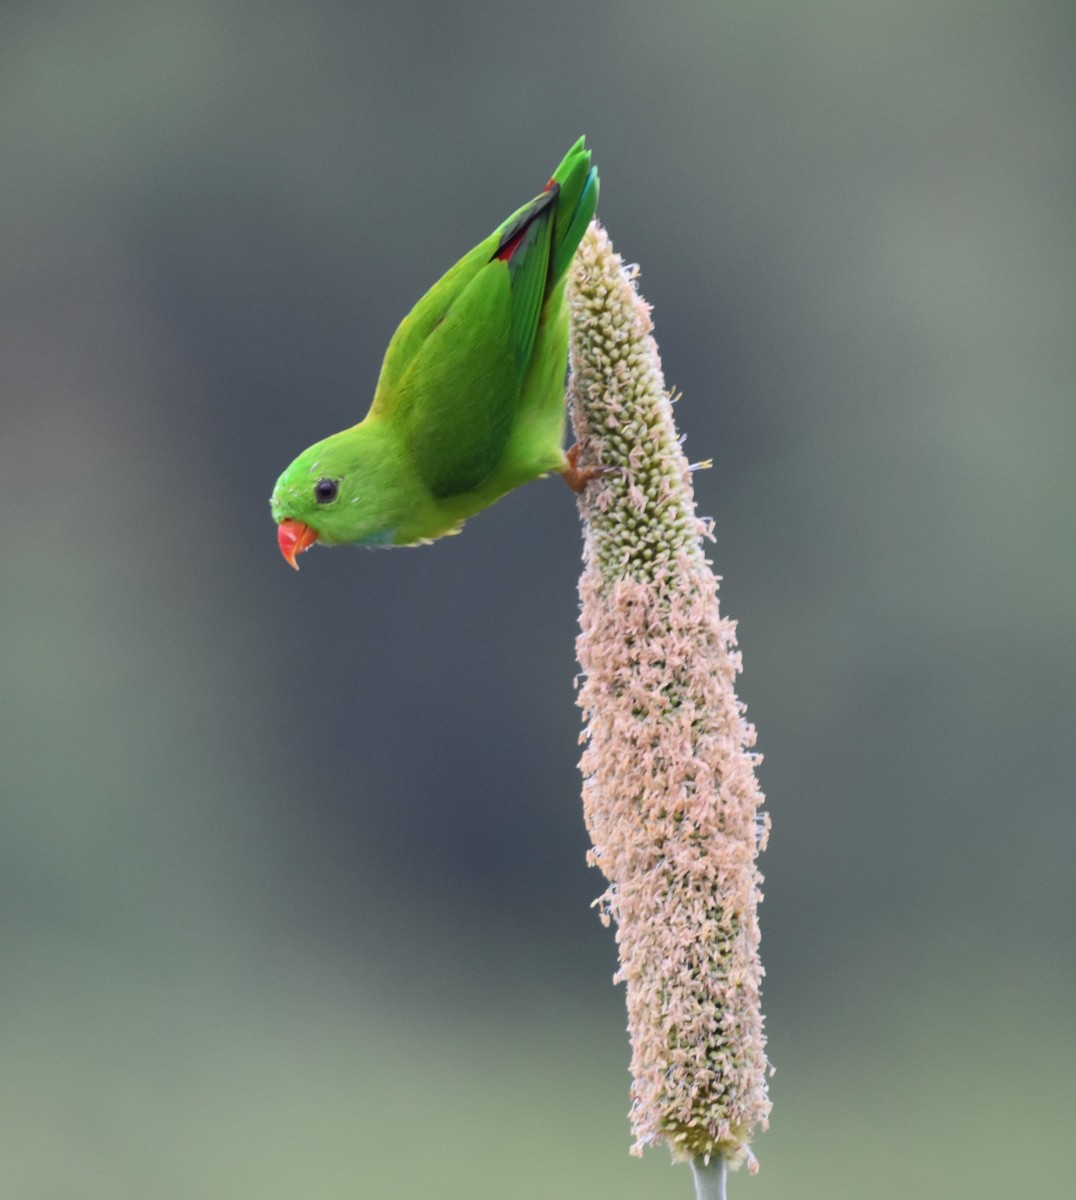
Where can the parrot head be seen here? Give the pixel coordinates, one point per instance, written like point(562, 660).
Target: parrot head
point(331, 494)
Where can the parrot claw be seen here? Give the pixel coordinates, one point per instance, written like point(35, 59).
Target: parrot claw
point(577, 477)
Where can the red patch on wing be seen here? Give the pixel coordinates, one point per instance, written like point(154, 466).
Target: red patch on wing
point(510, 247)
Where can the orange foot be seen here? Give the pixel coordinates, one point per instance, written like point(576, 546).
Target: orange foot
point(577, 477)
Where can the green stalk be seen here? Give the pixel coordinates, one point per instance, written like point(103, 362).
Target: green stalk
point(709, 1178)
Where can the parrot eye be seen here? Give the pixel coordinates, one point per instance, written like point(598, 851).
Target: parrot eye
point(325, 490)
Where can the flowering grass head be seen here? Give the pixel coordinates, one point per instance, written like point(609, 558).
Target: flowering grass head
point(670, 795)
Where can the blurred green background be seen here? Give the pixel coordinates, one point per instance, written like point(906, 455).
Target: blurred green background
point(294, 893)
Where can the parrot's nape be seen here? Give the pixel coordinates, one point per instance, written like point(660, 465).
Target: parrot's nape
point(470, 400)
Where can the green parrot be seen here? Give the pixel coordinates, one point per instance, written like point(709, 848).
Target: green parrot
point(470, 400)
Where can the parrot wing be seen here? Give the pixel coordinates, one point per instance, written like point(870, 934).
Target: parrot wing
point(454, 372)
point(525, 246)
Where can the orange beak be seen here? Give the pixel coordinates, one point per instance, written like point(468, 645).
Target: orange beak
point(294, 537)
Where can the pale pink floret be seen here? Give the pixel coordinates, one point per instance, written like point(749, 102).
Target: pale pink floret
point(670, 795)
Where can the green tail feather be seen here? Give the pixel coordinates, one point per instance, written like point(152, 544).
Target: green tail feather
point(576, 203)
